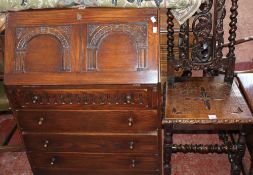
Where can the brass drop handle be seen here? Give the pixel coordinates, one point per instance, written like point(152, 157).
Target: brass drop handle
point(46, 143)
point(35, 99)
point(41, 121)
point(128, 99)
point(133, 163)
point(52, 162)
point(131, 145)
point(130, 122)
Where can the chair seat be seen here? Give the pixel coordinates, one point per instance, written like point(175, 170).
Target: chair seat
point(206, 101)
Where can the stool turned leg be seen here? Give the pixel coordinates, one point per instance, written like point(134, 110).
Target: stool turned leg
point(167, 151)
point(236, 157)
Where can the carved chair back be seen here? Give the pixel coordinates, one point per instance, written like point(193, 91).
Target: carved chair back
point(206, 28)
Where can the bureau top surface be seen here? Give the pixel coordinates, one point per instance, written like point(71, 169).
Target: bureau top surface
point(70, 15)
point(88, 46)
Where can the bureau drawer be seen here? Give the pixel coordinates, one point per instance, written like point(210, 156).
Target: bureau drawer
point(131, 162)
point(51, 171)
point(82, 98)
point(89, 121)
point(92, 143)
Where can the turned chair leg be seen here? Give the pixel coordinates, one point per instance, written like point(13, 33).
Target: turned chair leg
point(167, 151)
point(235, 158)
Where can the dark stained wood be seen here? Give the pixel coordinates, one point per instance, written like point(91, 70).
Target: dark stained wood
point(193, 102)
point(88, 121)
point(84, 87)
point(109, 143)
point(86, 43)
point(52, 58)
point(85, 97)
point(105, 161)
point(54, 171)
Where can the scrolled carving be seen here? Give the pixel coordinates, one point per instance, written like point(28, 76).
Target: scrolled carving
point(207, 42)
point(183, 44)
point(183, 40)
point(206, 6)
point(25, 34)
point(97, 32)
point(202, 46)
point(202, 26)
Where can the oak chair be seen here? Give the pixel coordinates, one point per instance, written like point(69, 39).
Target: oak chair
point(209, 104)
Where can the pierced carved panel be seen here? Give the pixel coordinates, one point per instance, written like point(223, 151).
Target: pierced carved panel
point(137, 32)
point(25, 34)
point(202, 53)
point(207, 28)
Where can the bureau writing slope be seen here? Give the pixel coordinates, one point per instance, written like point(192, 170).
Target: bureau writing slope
point(84, 88)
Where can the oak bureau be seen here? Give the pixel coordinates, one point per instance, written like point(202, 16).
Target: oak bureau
point(84, 88)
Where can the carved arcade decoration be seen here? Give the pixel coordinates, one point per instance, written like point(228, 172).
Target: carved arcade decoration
point(98, 32)
point(25, 34)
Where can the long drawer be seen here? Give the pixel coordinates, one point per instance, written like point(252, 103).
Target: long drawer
point(92, 143)
point(88, 121)
point(51, 171)
point(64, 97)
point(131, 162)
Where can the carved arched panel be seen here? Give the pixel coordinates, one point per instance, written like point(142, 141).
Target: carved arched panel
point(42, 49)
point(117, 56)
point(107, 39)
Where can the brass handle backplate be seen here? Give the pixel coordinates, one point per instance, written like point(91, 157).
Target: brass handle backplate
point(131, 145)
point(130, 121)
point(52, 161)
point(133, 164)
point(41, 121)
point(46, 143)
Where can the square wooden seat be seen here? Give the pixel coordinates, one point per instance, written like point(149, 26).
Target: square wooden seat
point(206, 101)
